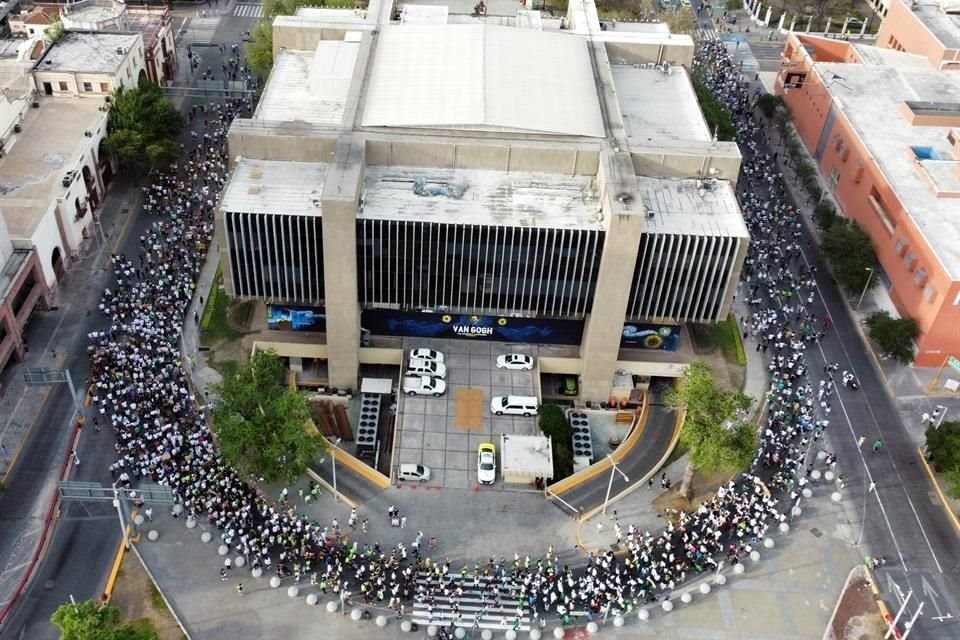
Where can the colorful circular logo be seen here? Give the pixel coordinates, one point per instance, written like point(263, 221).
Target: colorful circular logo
point(502, 322)
point(446, 319)
point(653, 341)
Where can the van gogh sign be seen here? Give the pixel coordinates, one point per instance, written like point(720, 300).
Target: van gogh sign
point(472, 327)
point(660, 337)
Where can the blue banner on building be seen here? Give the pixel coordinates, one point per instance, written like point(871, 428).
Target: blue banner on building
point(287, 318)
point(663, 337)
point(472, 327)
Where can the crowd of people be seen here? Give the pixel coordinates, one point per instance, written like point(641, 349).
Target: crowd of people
point(141, 389)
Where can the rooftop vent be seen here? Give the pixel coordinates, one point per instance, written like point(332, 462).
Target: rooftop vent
point(254, 189)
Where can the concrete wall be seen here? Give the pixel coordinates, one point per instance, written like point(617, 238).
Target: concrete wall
point(678, 53)
point(660, 162)
point(302, 34)
point(127, 76)
point(903, 30)
point(279, 141)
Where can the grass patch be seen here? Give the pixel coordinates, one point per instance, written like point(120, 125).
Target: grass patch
point(156, 599)
point(218, 328)
point(725, 335)
point(706, 338)
point(227, 368)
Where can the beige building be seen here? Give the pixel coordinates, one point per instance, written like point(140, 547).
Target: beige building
point(520, 176)
point(90, 65)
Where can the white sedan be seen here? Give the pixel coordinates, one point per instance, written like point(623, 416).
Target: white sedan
point(516, 361)
point(486, 463)
point(427, 354)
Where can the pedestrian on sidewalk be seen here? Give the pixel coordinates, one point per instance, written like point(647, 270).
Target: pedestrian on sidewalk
point(223, 574)
point(876, 445)
point(240, 589)
point(925, 418)
point(861, 441)
point(149, 513)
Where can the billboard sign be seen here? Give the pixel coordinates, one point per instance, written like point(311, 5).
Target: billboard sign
point(289, 318)
point(472, 327)
point(661, 337)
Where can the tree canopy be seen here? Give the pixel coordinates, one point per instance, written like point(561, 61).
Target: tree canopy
point(143, 127)
point(717, 116)
point(714, 431)
point(554, 423)
point(943, 449)
point(261, 422)
point(89, 621)
point(850, 253)
point(894, 336)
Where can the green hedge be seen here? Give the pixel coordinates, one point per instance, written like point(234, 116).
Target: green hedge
point(553, 423)
point(737, 339)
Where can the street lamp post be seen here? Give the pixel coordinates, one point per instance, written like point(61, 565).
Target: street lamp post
point(613, 468)
point(333, 461)
point(118, 503)
point(865, 286)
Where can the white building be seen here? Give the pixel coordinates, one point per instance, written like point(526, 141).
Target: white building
point(90, 64)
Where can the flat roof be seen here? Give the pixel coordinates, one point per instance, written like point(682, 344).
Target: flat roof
point(531, 456)
point(36, 159)
point(490, 198)
point(891, 57)
point(868, 95)
point(277, 187)
point(945, 26)
point(658, 106)
point(324, 14)
point(482, 77)
point(87, 52)
point(310, 86)
point(691, 207)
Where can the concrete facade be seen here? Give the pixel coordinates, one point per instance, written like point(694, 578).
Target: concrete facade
point(901, 182)
point(90, 65)
point(578, 190)
point(923, 27)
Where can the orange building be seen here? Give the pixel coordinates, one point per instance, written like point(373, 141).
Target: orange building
point(884, 128)
point(929, 28)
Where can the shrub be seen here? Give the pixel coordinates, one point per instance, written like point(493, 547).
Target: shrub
point(825, 215)
point(850, 254)
point(806, 170)
point(943, 445)
point(769, 103)
point(894, 336)
point(553, 422)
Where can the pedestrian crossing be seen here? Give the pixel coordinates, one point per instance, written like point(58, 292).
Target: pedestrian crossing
point(705, 34)
point(474, 611)
point(767, 54)
point(248, 11)
point(200, 30)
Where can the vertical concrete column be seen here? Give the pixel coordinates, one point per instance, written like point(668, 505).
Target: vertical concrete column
point(766, 19)
point(624, 216)
point(793, 23)
point(339, 203)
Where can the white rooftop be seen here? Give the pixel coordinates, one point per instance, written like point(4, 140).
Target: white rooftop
point(275, 187)
point(310, 86)
point(424, 14)
point(482, 77)
point(530, 456)
point(691, 207)
point(324, 14)
point(945, 26)
point(494, 198)
point(869, 95)
point(658, 107)
point(891, 57)
point(88, 52)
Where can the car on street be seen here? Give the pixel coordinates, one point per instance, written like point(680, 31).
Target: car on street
point(423, 386)
point(486, 463)
point(515, 361)
point(418, 367)
point(426, 354)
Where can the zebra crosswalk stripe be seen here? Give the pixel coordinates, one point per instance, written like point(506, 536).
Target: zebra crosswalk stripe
point(248, 11)
point(471, 603)
point(201, 30)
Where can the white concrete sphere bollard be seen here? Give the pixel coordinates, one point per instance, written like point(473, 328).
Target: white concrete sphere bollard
point(152, 535)
point(829, 476)
point(807, 492)
point(331, 607)
point(836, 496)
point(486, 634)
point(138, 520)
point(686, 597)
point(191, 522)
point(815, 475)
point(592, 627)
point(206, 537)
point(239, 561)
point(510, 634)
point(257, 572)
point(312, 599)
point(768, 543)
point(293, 591)
point(739, 568)
point(796, 512)
point(223, 550)
point(785, 526)
point(721, 580)
point(177, 508)
point(356, 615)
point(755, 556)
point(617, 622)
point(432, 630)
point(275, 582)
point(381, 621)
point(643, 615)
point(705, 588)
point(459, 633)
point(406, 626)
point(558, 633)
point(534, 634)
point(821, 455)
point(667, 605)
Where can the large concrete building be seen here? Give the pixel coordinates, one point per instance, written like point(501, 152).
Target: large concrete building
point(929, 28)
point(884, 127)
point(518, 176)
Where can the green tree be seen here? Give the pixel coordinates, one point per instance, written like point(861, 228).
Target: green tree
point(54, 33)
point(894, 336)
point(553, 422)
point(713, 431)
point(943, 445)
point(262, 423)
point(850, 254)
point(143, 127)
point(769, 104)
point(680, 21)
point(259, 53)
point(717, 116)
point(825, 215)
point(89, 621)
point(952, 476)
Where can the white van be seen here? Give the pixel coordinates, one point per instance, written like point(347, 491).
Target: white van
point(421, 367)
point(514, 405)
point(415, 472)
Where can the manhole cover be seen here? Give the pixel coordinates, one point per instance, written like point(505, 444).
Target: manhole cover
point(816, 532)
point(48, 585)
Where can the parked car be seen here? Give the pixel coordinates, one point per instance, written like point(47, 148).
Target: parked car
point(486, 463)
point(514, 405)
point(516, 361)
point(569, 387)
point(423, 386)
point(415, 472)
point(426, 354)
point(418, 367)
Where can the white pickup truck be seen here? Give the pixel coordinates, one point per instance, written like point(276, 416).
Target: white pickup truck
point(423, 386)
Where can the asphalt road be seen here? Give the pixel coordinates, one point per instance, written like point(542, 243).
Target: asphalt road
point(87, 536)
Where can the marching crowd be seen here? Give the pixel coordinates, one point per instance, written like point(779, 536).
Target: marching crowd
point(142, 391)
